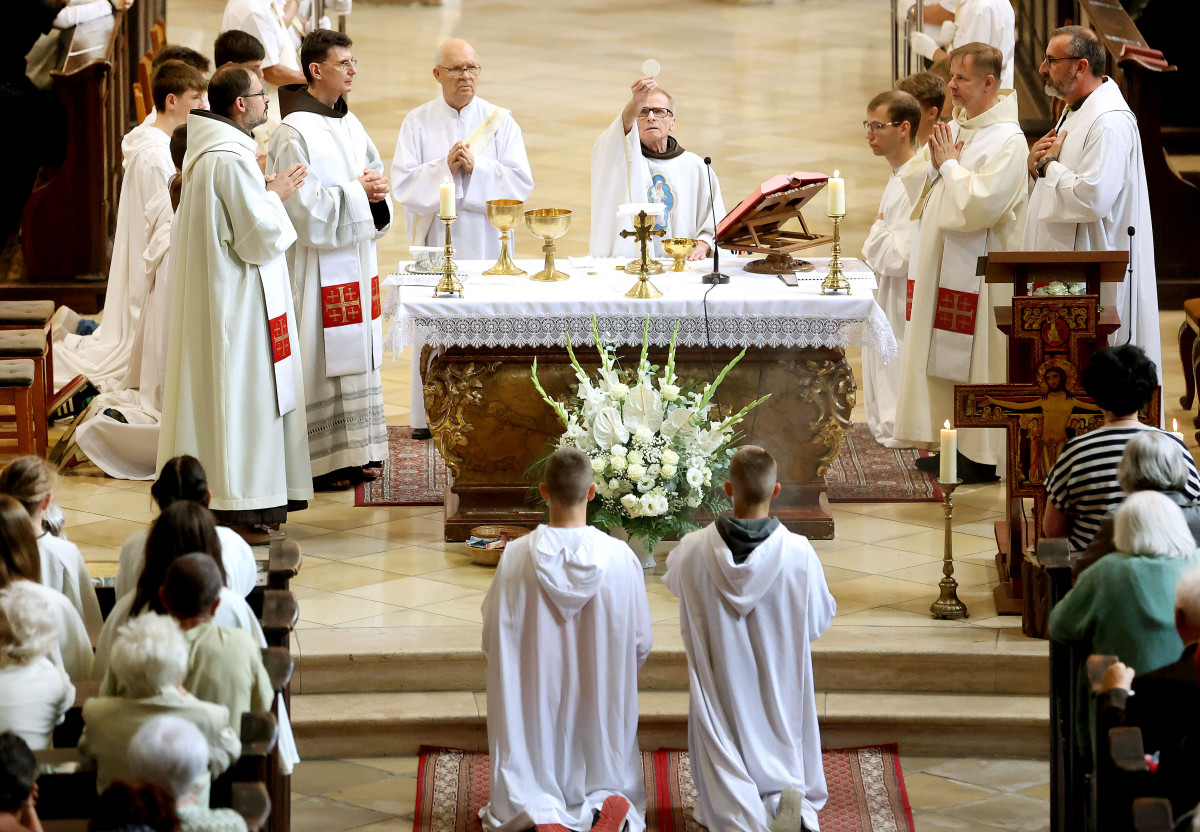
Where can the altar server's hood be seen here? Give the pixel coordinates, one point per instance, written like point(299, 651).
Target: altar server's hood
point(569, 566)
point(139, 139)
point(744, 584)
point(206, 130)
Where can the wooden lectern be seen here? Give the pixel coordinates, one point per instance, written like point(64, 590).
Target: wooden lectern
point(756, 224)
point(1051, 339)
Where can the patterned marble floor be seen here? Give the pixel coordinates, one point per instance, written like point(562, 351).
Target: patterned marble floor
point(762, 89)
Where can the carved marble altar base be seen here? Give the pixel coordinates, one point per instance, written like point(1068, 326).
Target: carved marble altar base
point(491, 426)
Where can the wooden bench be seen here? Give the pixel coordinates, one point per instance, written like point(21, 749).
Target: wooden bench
point(32, 314)
point(31, 344)
point(17, 391)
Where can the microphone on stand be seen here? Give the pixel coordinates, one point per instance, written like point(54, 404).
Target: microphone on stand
point(715, 275)
point(1129, 292)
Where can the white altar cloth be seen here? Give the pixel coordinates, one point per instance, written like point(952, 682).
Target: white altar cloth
point(752, 310)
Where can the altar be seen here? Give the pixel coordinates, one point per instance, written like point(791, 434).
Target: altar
point(491, 426)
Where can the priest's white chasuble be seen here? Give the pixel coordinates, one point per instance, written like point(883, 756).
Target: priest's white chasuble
point(234, 394)
point(987, 21)
point(335, 278)
point(887, 250)
point(566, 627)
point(623, 173)
point(752, 712)
point(104, 355)
point(972, 206)
point(1088, 201)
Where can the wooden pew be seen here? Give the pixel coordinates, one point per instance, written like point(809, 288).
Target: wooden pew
point(1068, 782)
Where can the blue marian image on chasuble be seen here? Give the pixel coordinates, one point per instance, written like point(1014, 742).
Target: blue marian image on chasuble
point(660, 191)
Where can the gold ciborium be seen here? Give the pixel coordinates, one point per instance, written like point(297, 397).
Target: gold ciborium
point(549, 224)
point(679, 248)
point(643, 230)
point(503, 214)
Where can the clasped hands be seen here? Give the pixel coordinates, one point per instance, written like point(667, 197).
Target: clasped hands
point(460, 158)
point(942, 146)
point(1048, 145)
point(375, 184)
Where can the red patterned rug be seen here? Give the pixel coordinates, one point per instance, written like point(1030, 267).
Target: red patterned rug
point(863, 472)
point(866, 791)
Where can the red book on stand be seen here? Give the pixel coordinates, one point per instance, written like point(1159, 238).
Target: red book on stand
point(781, 182)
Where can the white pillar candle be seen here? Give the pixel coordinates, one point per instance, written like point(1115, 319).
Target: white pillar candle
point(837, 196)
point(448, 208)
point(1176, 432)
point(949, 454)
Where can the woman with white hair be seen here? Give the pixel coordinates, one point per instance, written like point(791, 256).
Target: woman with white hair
point(172, 753)
point(1124, 605)
point(151, 657)
point(1151, 462)
point(35, 694)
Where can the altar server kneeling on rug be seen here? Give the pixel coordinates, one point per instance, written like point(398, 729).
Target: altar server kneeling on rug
point(751, 591)
point(566, 627)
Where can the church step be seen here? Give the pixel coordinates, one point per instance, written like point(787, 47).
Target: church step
point(946, 659)
point(379, 724)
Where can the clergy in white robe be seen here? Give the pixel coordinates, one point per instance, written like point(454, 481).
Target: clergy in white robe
point(1088, 182)
point(893, 119)
point(960, 22)
point(234, 394)
point(104, 355)
point(637, 160)
point(268, 23)
point(970, 196)
point(566, 627)
point(752, 597)
point(340, 212)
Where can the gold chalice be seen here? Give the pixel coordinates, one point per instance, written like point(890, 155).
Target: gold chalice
point(679, 248)
point(549, 224)
point(503, 214)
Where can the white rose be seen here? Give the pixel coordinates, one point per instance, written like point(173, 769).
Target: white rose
point(636, 472)
point(693, 500)
point(608, 430)
point(632, 505)
point(619, 390)
point(645, 484)
point(617, 462)
point(636, 458)
point(598, 464)
point(644, 435)
point(695, 477)
point(669, 457)
point(614, 484)
point(620, 450)
point(669, 471)
point(670, 392)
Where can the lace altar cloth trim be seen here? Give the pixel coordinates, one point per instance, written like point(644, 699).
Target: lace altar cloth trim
point(873, 333)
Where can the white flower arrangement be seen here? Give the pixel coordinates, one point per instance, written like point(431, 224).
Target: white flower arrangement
point(656, 455)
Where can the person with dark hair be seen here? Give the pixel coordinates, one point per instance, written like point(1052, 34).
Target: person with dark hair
point(1083, 487)
point(18, 785)
point(184, 54)
point(20, 563)
point(929, 89)
point(234, 393)
point(183, 478)
point(1089, 182)
point(339, 213)
point(566, 589)
point(893, 118)
point(134, 806)
point(270, 24)
point(233, 46)
point(184, 527)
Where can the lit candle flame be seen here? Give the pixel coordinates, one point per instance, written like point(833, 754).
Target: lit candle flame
point(836, 174)
point(1174, 426)
point(947, 425)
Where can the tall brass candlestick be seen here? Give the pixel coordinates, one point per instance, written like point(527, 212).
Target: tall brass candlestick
point(836, 281)
point(947, 606)
point(449, 284)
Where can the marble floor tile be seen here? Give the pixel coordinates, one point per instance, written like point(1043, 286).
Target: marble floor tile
point(411, 592)
point(323, 777)
point(999, 774)
point(320, 814)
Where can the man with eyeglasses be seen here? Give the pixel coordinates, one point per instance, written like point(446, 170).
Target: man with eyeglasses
point(638, 160)
point(969, 188)
point(339, 213)
point(457, 137)
point(893, 119)
point(1088, 182)
point(269, 22)
point(234, 392)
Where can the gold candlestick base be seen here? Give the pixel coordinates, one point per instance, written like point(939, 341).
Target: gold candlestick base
point(947, 606)
point(503, 214)
point(836, 281)
point(643, 230)
point(549, 224)
point(643, 289)
point(449, 284)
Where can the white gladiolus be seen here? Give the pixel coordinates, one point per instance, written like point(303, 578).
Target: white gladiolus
point(632, 505)
point(695, 477)
point(709, 440)
point(617, 462)
point(669, 471)
point(608, 429)
point(635, 457)
point(677, 423)
point(636, 472)
point(669, 457)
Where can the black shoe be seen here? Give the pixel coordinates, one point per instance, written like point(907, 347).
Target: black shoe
point(929, 464)
point(421, 433)
point(973, 473)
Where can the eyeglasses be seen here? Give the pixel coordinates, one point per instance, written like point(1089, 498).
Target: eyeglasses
point(658, 112)
point(1053, 61)
point(459, 71)
point(254, 95)
point(875, 126)
point(346, 65)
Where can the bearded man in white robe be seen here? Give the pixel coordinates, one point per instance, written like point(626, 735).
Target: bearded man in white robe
point(270, 23)
point(959, 22)
point(893, 119)
point(1089, 183)
point(970, 196)
point(566, 627)
point(104, 355)
point(752, 597)
point(234, 395)
point(638, 160)
point(340, 212)
point(462, 139)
